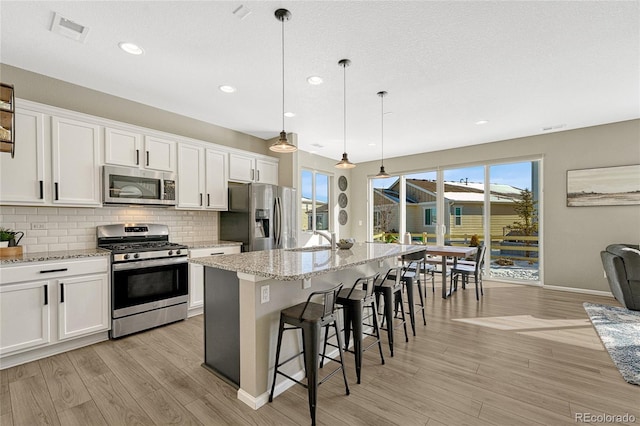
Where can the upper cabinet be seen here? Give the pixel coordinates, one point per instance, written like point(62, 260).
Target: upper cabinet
point(75, 151)
point(22, 178)
point(248, 168)
point(7, 119)
point(127, 148)
point(202, 177)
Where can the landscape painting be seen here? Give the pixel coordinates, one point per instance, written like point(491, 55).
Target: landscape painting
point(608, 186)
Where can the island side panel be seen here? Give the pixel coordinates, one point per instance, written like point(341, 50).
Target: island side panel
point(222, 323)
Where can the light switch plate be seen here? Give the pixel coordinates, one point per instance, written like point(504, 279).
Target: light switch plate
point(306, 283)
point(38, 225)
point(264, 294)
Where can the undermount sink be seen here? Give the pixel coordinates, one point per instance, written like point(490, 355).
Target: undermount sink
point(312, 248)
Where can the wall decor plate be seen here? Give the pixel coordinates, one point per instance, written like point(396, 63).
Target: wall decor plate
point(343, 217)
point(342, 200)
point(342, 183)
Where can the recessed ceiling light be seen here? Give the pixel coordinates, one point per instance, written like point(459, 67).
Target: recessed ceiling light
point(388, 113)
point(242, 11)
point(315, 80)
point(131, 48)
point(372, 144)
point(481, 122)
point(227, 89)
point(289, 114)
point(554, 127)
point(313, 152)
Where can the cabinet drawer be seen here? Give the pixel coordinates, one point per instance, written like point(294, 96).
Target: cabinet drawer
point(212, 251)
point(53, 269)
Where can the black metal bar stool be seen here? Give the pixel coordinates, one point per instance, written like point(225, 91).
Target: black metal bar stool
point(354, 301)
point(391, 291)
point(310, 317)
point(412, 266)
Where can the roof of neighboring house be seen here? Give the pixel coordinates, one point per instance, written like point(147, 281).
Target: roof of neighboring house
point(453, 191)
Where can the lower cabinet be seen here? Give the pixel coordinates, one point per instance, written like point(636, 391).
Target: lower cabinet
point(196, 275)
point(44, 304)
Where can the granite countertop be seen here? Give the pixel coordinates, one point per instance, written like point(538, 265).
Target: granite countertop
point(287, 265)
point(216, 243)
point(53, 255)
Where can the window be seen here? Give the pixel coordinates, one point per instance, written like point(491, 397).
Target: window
point(430, 216)
point(315, 201)
point(457, 214)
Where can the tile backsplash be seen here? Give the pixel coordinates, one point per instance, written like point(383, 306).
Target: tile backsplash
point(75, 228)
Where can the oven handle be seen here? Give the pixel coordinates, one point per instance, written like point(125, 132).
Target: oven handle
point(150, 263)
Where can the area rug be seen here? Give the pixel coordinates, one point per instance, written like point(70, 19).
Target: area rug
point(619, 330)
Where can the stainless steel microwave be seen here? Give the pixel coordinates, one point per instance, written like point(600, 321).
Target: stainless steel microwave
point(128, 185)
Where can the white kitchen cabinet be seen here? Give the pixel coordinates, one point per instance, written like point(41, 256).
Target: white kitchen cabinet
point(83, 305)
point(24, 316)
point(75, 150)
point(202, 182)
point(44, 304)
point(124, 147)
point(196, 275)
point(248, 168)
point(22, 179)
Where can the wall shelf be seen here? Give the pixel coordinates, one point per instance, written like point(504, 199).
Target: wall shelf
point(7, 119)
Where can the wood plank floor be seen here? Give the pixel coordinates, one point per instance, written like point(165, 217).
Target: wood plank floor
point(521, 356)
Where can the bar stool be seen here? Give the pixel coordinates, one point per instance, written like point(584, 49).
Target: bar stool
point(354, 301)
point(310, 317)
point(413, 265)
point(390, 289)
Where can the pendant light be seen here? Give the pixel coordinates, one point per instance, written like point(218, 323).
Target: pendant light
point(345, 163)
point(382, 173)
point(283, 144)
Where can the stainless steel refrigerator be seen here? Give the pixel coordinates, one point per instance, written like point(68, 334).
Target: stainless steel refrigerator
point(261, 216)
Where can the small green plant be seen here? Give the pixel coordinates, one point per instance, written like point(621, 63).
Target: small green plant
point(7, 234)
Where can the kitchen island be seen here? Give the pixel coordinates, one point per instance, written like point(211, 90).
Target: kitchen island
point(245, 292)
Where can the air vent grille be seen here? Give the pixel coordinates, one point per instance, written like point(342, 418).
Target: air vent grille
point(68, 28)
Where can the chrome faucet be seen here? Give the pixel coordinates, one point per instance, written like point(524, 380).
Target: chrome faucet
point(331, 237)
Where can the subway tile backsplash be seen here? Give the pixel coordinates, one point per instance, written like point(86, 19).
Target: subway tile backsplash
point(75, 228)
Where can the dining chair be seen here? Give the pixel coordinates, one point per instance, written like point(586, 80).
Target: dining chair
point(465, 270)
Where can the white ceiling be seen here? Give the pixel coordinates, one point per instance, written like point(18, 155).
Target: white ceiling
point(523, 66)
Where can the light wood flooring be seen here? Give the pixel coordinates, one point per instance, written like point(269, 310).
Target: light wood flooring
point(521, 356)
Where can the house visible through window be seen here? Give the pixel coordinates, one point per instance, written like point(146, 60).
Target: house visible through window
point(315, 200)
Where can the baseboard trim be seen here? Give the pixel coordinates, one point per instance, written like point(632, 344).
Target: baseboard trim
point(53, 349)
point(579, 290)
point(260, 400)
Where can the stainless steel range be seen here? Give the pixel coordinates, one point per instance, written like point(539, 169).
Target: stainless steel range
point(149, 276)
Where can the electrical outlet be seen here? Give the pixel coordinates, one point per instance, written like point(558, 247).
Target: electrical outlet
point(264, 294)
point(38, 225)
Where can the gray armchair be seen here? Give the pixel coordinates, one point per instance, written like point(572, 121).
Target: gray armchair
point(622, 266)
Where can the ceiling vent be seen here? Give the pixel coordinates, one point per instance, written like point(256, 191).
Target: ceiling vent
point(67, 28)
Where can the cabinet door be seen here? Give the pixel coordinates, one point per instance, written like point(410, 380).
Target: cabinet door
point(24, 316)
point(76, 162)
point(83, 305)
point(190, 176)
point(241, 168)
point(121, 147)
point(159, 154)
point(216, 179)
point(266, 171)
point(196, 285)
point(22, 177)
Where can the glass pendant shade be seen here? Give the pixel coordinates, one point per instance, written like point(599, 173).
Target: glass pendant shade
point(345, 163)
point(283, 145)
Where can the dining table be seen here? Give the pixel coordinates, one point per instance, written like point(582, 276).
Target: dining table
point(449, 251)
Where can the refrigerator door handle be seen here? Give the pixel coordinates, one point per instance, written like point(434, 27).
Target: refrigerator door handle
point(278, 225)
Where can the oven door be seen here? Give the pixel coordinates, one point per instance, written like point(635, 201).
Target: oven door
point(149, 284)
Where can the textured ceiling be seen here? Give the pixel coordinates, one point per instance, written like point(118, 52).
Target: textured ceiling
point(522, 66)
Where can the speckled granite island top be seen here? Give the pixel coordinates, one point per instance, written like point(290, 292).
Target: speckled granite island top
point(287, 265)
point(53, 255)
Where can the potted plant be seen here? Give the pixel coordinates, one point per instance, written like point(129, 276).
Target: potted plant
point(6, 235)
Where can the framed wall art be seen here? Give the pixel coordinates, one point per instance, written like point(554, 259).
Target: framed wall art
point(607, 186)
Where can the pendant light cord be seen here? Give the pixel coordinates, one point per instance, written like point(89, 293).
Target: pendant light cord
point(345, 105)
point(282, 20)
point(382, 130)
